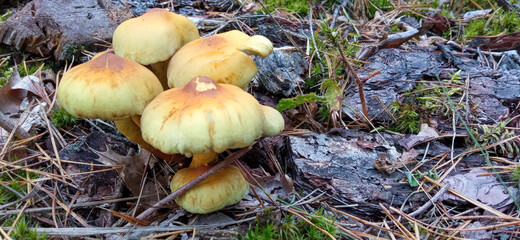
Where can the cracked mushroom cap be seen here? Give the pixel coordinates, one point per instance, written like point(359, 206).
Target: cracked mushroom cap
point(223, 57)
point(203, 117)
point(224, 188)
point(108, 87)
point(154, 36)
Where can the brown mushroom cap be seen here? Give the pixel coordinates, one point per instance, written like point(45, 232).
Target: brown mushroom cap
point(203, 117)
point(154, 36)
point(222, 57)
point(108, 87)
point(226, 187)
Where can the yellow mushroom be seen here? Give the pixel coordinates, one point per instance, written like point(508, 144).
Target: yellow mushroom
point(224, 188)
point(204, 118)
point(151, 39)
point(223, 57)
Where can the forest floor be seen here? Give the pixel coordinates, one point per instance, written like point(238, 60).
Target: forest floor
point(401, 122)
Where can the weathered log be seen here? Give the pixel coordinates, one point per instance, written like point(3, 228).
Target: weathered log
point(281, 72)
point(341, 163)
point(60, 27)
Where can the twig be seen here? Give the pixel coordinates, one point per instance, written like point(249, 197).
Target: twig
point(360, 83)
point(8, 125)
point(314, 39)
point(446, 53)
point(429, 203)
point(223, 25)
point(76, 205)
point(231, 158)
point(76, 232)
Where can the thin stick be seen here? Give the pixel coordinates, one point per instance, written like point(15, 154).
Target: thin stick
point(9, 126)
point(88, 231)
point(360, 83)
point(76, 205)
point(429, 203)
point(230, 159)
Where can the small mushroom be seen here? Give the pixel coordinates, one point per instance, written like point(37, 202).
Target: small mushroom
point(153, 38)
point(224, 188)
point(223, 57)
point(204, 118)
point(111, 88)
point(107, 87)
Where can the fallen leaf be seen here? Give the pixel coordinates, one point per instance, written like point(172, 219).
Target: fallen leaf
point(133, 166)
point(426, 134)
point(16, 90)
point(408, 157)
point(485, 189)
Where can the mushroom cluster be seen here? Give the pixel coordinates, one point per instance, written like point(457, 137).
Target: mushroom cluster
point(205, 112)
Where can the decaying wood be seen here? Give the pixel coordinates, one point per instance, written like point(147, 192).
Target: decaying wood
point(341, 163)
point(56, 27)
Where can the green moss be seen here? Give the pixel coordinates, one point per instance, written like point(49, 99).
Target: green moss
point(62, 118)
point(14, 182)
point(5, 16)
point(426, 99)
point(31, 68)
point(320, 87)
point(297, 6)
point(408, 120)
point(72, 50)
point(21, 229)
point(5, 71)
point(268, 228)
point(515, 174)
point(383, 5)
point(501, 21)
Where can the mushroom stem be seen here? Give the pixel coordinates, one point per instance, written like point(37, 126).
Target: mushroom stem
point(203, 159)
point(130, 130)
point(160, 69)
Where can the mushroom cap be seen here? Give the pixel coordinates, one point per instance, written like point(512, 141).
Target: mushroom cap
point(108, 87)
point(274, 122)
point(223, 57)
point(154, 36)
point(201, 117)
point(226, 187)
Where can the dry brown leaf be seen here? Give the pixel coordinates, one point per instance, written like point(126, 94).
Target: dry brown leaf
point(426, 134)
point(485, 189)
point(133, 166)
point(16, 90)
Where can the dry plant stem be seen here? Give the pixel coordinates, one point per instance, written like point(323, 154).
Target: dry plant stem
point(75, 205)
point(429, 203)
point(231, 158)
point(360, 83)
point(78, 231)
